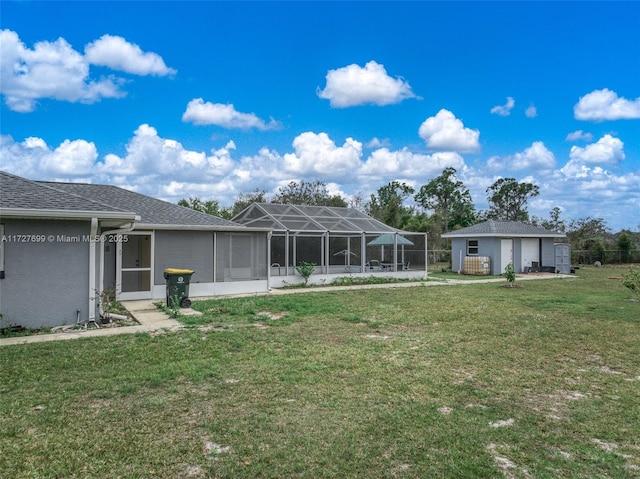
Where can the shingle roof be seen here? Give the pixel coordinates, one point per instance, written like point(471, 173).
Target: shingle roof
point(503, 229)
point(19, 193)
point(151, 210)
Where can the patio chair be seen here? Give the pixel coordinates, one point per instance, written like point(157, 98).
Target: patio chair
point(405, 266)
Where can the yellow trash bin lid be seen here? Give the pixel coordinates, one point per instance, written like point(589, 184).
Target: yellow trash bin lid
point(178, 271)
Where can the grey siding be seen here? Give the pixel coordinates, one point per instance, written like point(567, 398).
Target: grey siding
point(45, 283)
point(184, 249)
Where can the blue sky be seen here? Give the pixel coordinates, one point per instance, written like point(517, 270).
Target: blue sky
point(214, 99)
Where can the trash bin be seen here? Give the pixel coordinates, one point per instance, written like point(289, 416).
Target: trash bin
point(178, 286)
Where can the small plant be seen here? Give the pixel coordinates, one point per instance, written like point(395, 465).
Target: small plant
point(510, 274)
point(631, 280)
point(174, 306)
point(306, 270)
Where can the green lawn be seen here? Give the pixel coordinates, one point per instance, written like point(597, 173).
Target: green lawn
point(431, 381)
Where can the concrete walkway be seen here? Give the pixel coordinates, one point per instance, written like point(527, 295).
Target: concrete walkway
point(152, 319)
point(144, 312)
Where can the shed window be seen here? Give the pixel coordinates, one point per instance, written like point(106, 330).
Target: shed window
point(472, 247)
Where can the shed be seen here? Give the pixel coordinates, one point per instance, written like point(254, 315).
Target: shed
point(529, 248)
point(337, 240)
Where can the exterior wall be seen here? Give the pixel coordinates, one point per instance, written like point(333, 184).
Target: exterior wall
point(486, 247)
point(46, 282)
point(458, 252)
point(492, 247)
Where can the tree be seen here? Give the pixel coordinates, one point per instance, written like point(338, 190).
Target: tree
point(554, 223)
point(245, 199)
point(210, 207)
point(449, 199)
point(508, 199)
point(588, 235)
point(312, 193)
point(387, 205)
point(625, 244)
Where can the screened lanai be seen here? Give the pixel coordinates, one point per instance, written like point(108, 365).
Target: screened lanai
point(337, 240)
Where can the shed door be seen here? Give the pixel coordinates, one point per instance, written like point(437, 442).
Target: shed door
point(530, 252)
point(506, 254)
point(134, 266)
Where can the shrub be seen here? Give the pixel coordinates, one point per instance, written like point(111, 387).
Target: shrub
point(631, 280)
point(306, 270)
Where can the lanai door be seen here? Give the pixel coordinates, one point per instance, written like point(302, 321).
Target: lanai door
point(134, 266)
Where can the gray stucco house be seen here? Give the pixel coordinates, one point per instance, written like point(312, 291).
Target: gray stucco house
point(488, 247)
point(63, 243)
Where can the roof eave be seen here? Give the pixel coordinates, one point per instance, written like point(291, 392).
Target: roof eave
point(66, 214)
point(504, 235)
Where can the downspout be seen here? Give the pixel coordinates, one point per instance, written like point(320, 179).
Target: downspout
point(92, 270)
point(124, 229)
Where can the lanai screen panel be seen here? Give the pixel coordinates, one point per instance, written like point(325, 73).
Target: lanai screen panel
point(310, 219)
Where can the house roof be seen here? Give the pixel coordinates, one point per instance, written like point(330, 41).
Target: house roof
point(153, 213)
point(20, 197)
point(503, 229)
point(311, 219)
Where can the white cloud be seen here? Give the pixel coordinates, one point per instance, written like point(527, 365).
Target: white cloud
point(353, 85)
point(605, 104)
point(200, 112)
point(531, 111)
point(316, 153)
point(536, 156)
point(377, 143)
point(579, 135)
point(150, 154)
point(118, 54)
point(51, 70)
point(445, 132)
point(71, 158)
point(384, 163)
point(504, 110)
point(607, 150)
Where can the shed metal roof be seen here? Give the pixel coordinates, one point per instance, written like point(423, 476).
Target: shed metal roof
point(504, 229)
point(311, 219)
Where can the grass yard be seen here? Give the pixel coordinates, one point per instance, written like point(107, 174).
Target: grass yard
point(431, 381)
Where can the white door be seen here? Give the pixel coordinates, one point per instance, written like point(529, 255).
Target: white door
point(134, 267)
point(506, 253)
point(530, 252)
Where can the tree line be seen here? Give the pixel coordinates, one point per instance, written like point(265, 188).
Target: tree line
point(443, 204)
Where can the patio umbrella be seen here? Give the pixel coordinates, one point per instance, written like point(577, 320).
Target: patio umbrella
point(390, 239)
